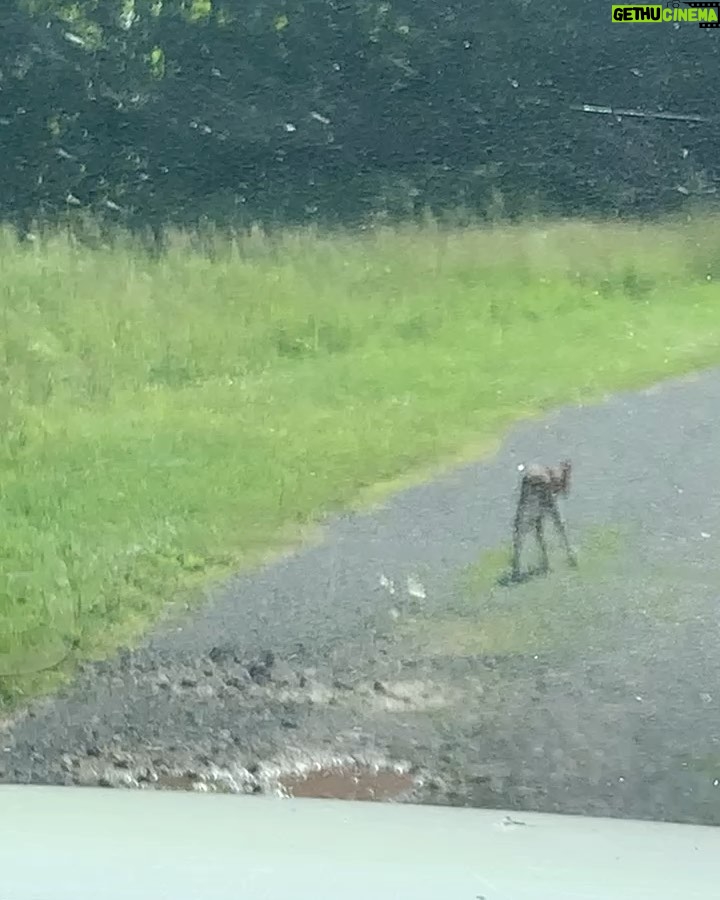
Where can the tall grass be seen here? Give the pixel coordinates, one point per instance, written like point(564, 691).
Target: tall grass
point(164, 420)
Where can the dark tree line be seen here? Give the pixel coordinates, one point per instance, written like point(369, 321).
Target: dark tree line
point(143, 112)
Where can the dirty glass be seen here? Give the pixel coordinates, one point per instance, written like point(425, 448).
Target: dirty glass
point(304, 309)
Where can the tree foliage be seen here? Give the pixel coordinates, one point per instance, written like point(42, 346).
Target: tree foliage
point(153, 111)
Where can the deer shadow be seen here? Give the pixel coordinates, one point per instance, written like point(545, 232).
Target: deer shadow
point(509, 578)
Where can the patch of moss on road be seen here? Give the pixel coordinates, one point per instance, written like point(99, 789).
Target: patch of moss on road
point(561, 612)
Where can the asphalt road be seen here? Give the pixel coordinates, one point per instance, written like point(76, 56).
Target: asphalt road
point(592, 691)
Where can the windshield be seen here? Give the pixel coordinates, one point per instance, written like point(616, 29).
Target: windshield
point(358, 405)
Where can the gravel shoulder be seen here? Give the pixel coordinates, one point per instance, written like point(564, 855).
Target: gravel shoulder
point(392, 644)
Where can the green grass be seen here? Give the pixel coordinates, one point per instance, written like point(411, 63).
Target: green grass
point(168, 420)
point(569, 609)
point(598, 545)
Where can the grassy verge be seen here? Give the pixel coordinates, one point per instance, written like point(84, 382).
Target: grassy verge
point(167, 420)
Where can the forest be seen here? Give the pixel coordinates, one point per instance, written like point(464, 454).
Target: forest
point(144, 113)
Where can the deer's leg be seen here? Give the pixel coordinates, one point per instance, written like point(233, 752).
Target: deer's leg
point(517, 546)
point(560, 526)
point(544, 562)
point(519, 528)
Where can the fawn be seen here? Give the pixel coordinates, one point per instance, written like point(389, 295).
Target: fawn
point(539, 489)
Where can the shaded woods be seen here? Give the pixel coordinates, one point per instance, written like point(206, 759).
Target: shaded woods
point(146, 112)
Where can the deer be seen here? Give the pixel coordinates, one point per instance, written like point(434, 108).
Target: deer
point(540, 487)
